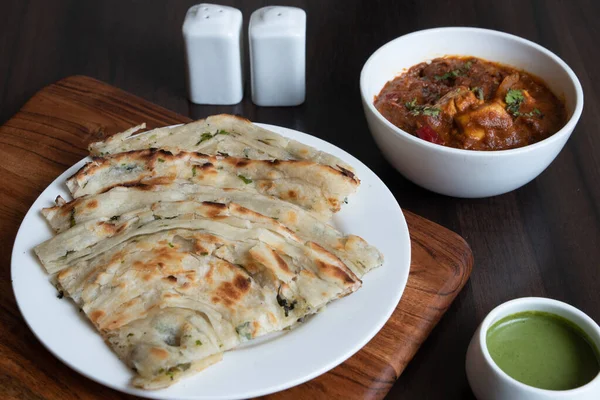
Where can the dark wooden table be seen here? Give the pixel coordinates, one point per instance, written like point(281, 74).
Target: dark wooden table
point(541, 240)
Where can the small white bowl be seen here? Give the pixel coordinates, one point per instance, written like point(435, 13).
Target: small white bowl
point(489, 382)
point(457, 172)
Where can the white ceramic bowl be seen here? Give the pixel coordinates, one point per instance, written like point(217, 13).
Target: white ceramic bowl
point(489, 382)
point(457, 172)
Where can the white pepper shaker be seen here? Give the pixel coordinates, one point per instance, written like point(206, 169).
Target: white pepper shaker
point(278, 56)
point(213, 45)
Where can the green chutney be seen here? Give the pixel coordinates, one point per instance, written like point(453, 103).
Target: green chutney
point(543, 350)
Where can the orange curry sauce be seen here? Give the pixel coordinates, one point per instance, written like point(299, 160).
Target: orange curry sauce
point(470, 103)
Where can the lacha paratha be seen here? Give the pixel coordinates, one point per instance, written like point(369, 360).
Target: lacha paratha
point(187, 281)
point(218, 134)
point(355, 252)
point(316, 187)
point(183, 242)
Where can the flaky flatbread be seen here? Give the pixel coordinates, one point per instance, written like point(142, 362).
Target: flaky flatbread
point(173, 287)
point(181, 243)
point(217, 134)
point(355, 252)
point(315, 187)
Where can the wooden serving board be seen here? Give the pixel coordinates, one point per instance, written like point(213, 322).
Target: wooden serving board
point(51, 132)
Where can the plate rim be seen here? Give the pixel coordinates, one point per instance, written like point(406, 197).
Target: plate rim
point(156, 394)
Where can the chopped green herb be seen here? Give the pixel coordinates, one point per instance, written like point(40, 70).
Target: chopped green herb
point(244, 330)
point(198, 343)
point(171, 245)
point(161, 160)
point(447, 75)
point(455, 73)
point(152, 137)
point(194, 170)
point(514, 96)
point(246, 180)
point(156, 216)
point(264, 141)
point(72, 221)
point(176, 369)
point(418, 109)
point(184, 366)
point(204, 253)
point(246, 152)
point(205, 136)
point(221, 132)
point(129, 334)
point(115, 218)
point(174, 216)
point(284, 303)
point(535, 113)
point(128, 167)
point(222, 154)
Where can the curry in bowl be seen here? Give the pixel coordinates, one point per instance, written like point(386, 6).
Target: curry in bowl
point(470, 103)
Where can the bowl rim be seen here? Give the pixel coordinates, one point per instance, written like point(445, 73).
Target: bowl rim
point(566, 130)
point(533, 304)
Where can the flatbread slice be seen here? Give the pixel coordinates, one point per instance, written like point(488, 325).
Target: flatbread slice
point(354, 251)
point(217, 134)
point(172, 288)
point(315, 187)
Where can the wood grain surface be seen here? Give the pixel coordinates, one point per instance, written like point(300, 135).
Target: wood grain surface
point(540, 240)
point(51, 132)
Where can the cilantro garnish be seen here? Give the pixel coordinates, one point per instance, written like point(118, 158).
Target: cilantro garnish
point(514, 98)
point(532, 114)
point(455, 73)
point(418, 109)
point(448, 75)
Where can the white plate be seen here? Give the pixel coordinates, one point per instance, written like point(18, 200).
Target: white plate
point(266, 365)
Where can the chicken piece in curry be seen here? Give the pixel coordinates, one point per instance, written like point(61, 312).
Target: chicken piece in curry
point(470, 103)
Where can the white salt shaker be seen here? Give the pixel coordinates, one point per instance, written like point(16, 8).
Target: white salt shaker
point(213, 45)
point(277, 56)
